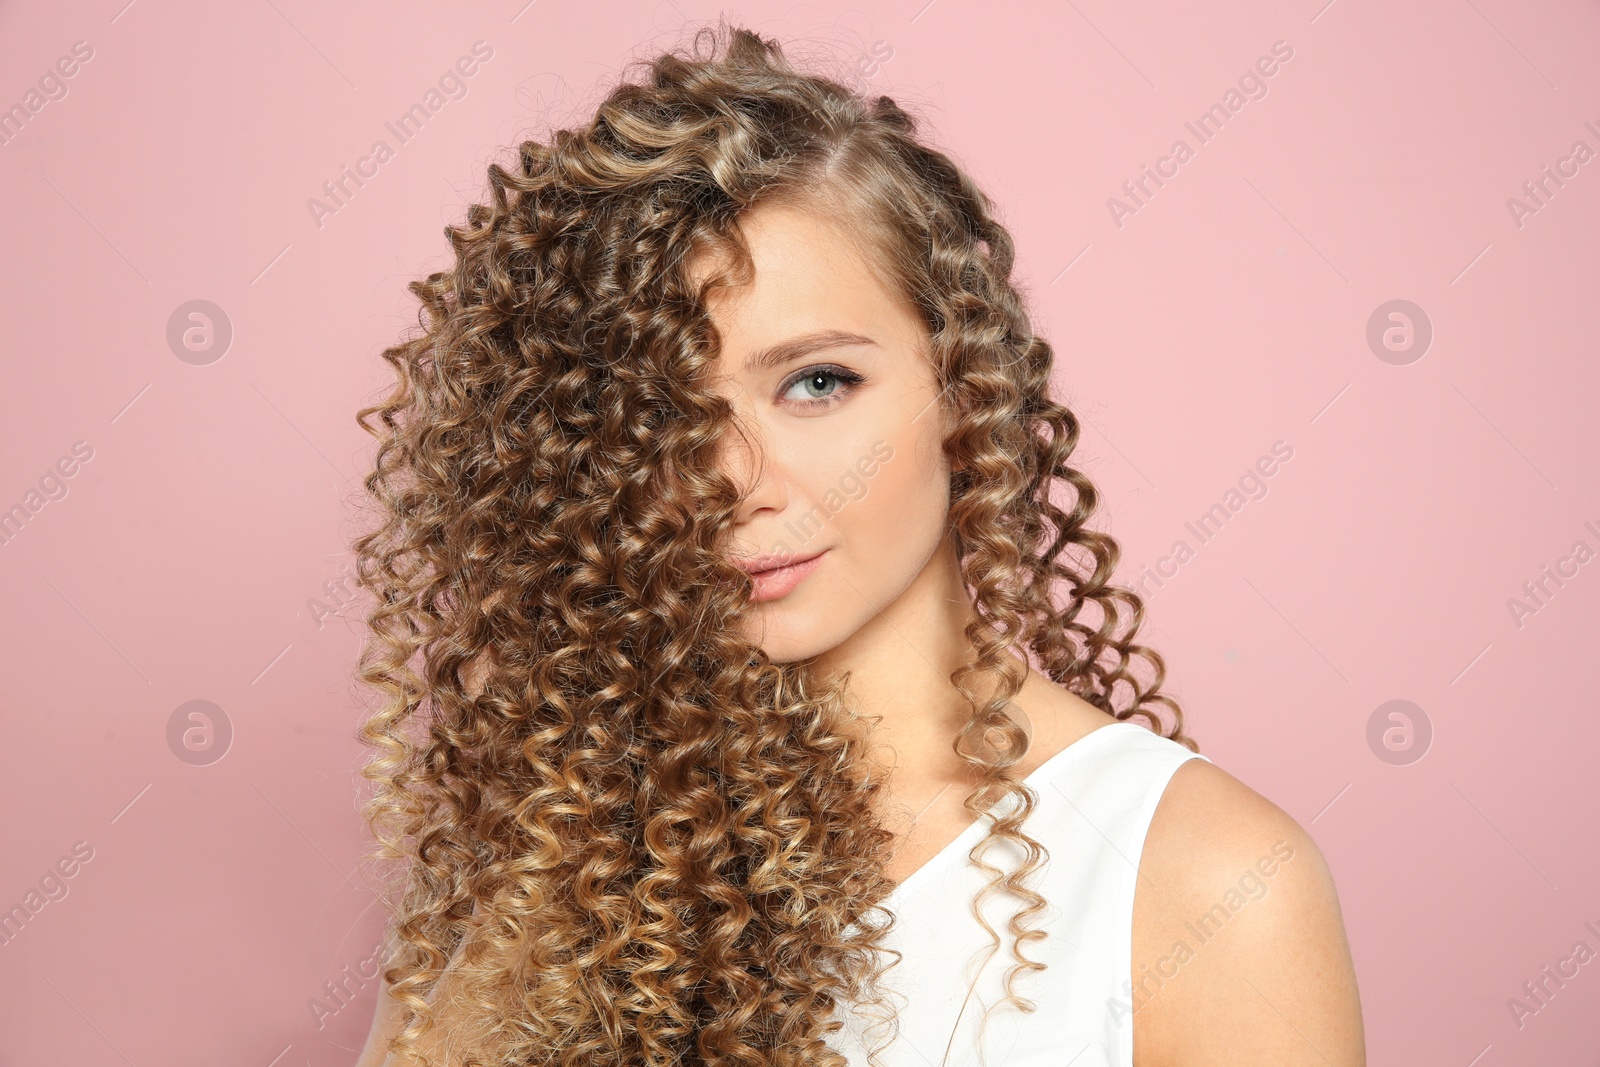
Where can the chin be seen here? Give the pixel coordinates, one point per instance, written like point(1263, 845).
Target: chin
point(801, 637)
point(788, 649)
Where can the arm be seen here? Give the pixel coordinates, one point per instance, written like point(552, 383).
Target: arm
point(389, 1017)
point(385, 1024)
point(436, 1044)
point(1239, 949)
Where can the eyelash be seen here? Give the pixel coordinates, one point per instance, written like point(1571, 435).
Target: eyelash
point(850, 379)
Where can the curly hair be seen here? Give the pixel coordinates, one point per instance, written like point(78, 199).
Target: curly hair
point(629, 836)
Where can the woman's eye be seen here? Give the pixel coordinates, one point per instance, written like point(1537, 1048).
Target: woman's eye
point(821, 386)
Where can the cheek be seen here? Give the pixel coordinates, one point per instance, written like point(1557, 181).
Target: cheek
point(896, 490)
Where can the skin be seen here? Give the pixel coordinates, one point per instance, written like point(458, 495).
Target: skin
point(1276, 985)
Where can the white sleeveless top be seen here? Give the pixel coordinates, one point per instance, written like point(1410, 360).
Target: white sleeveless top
point(1096, 800)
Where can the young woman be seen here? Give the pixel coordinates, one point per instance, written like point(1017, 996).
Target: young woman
point(755, 690)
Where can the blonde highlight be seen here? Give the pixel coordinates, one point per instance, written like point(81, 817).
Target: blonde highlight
point(628, 836)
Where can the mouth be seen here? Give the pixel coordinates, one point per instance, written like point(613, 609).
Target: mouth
point(753, 565)
point(775, 577)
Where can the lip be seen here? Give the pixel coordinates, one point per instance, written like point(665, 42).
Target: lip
point(778, 581)
point(755, 564)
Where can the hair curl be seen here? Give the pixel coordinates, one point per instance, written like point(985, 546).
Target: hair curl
point(631, 837)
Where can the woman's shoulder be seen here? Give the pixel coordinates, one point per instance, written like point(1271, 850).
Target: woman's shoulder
point(1068, 731)
point(1238, 935)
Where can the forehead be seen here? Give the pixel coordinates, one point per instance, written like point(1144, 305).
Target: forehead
point(811, 273)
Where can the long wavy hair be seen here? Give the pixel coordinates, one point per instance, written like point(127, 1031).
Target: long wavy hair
point(629, 836)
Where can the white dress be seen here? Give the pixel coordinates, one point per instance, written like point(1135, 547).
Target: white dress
point(1096, 799)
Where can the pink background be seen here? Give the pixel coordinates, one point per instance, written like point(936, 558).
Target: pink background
point(182, 560)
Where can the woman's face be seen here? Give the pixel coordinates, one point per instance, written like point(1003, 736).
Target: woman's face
point(825, 365)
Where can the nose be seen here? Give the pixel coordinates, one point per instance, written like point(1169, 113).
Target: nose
point(745, 458)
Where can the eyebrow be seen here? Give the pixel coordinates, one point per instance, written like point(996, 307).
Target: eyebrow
point(795, 347)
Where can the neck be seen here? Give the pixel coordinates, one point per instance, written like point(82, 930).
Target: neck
point(900, 664)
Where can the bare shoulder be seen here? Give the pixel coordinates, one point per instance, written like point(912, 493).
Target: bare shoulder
point(1239, 948)
point(441, 1043)
point(1057, 718)
point(387, 1022)
point(388, 1019)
